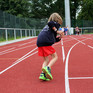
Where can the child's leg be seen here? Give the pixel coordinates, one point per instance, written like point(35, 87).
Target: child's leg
point(45, 63)
point(42, 75)
point(47, 70)
point(54, 59)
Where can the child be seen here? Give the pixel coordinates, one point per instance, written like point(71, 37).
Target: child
point(77, 30)
point(66, 30)
point(45, 40)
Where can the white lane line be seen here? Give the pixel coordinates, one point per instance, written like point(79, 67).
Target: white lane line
point(19, 60)
point(67, 88)
point(90, 46)
point(16, 45)
point(63, 52)
point(7, 50)
point(26, 55)
point(83, 42)
point(9, 46)
point(80, 78)
point(26, 43)
point(78, 40)
point(68, 40)
point(72, 39)
point(15, 49)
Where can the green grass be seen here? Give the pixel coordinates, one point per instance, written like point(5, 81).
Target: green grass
point(88, 33)
point(10, 38)
point(2, 39)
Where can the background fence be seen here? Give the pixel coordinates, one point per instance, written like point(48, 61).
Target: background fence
point(7, 34)
point(82, 23)
point(83, 30)
point(11, 21)
point(12, 27)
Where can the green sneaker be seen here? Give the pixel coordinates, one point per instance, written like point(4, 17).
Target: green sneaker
point(47, 72)
point(43, 77)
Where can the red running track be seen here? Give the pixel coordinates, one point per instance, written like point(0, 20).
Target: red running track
point(20, 67)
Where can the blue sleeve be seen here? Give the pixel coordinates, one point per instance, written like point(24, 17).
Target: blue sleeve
point(65, 29)
point(51, 24)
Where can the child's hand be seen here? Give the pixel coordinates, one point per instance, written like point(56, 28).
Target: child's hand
point(61, 33)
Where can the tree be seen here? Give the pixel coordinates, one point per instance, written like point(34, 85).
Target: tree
point(74, 7)
point(43, 8)
point(38, 8)
point(15, 7)
point(86, 10)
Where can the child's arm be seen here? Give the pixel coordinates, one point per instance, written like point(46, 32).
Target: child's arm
point(51, 25)
point(61, 33)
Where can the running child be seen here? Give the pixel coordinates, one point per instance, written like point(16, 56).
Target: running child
point(77, 30)
point(45, 40)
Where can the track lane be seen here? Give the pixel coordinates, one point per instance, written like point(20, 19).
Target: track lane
point(17, 44)
point(24, 76)
point(9, 56)
point(80, 68)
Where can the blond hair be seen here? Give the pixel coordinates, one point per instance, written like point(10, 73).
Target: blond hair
point(55, 17)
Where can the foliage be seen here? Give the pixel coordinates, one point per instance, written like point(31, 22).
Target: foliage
point(41, 9)
point(15, 7)
point(74, 7)
point(86, 10)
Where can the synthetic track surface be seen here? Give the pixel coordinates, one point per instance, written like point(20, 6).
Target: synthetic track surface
point(20, 67)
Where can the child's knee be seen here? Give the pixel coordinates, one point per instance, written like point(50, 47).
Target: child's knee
point(56, 57)
point(46, 59)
